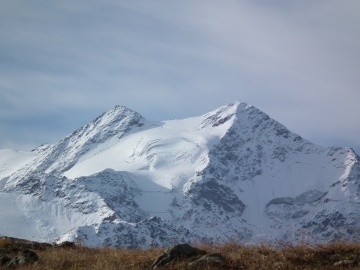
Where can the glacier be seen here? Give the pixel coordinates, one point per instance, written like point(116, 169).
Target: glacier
point(233, 174)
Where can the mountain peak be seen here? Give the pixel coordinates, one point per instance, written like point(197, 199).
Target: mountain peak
point(215, 177)
point(121, 108)
point(113, 124)
point(117, 113)
point(232, 107)
point(225, 113)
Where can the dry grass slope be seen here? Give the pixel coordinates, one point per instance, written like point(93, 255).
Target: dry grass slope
point(332, 256)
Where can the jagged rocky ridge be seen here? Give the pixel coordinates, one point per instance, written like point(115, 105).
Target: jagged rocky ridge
point(231, 174)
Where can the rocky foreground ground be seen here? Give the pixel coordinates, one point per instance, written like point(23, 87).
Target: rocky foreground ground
point(22, 254)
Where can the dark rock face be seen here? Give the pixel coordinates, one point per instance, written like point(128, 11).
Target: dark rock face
point(112, 190)
point(153, 232)
point(211, 204)
point(309, 196)
point(211, 194)
point(240, 154)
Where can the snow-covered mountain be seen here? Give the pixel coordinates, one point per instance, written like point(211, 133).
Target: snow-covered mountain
point(231, 174)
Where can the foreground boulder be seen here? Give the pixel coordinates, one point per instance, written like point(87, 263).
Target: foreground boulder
point(179, 251)
point(26, 257)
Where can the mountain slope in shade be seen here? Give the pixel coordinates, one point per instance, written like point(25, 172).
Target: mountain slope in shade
point(231, 174)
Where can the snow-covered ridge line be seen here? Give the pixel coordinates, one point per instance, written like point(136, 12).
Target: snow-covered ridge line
point(230, 174)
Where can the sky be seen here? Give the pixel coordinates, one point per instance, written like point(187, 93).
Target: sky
point(63, 63)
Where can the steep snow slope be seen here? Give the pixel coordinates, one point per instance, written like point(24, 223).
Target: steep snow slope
point(12, 160)
point(13, 219)
point(231, 174)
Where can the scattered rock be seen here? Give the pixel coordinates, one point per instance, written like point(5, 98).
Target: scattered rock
point(344, 262)
point(177, 252)
point(27, 256)
point(208, 258)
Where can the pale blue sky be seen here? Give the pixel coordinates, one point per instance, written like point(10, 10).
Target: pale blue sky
point(63, 63)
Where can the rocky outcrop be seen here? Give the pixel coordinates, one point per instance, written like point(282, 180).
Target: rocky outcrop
point(179, 251)
point(26, 257)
